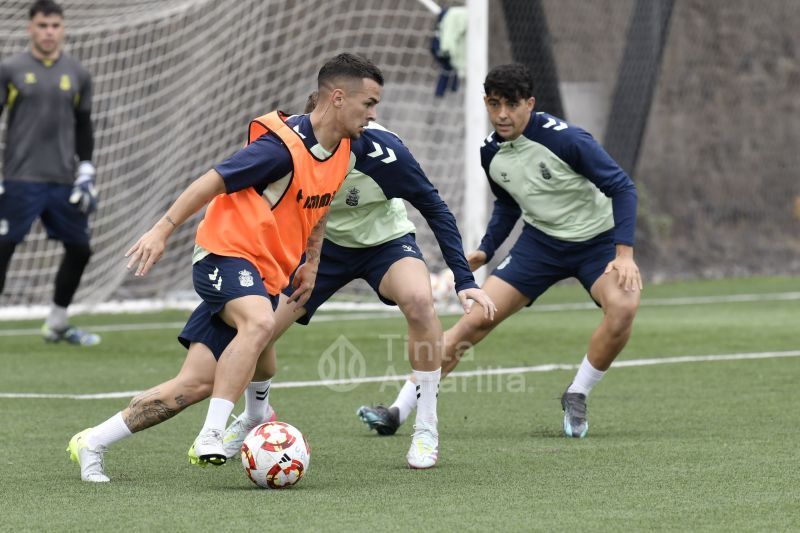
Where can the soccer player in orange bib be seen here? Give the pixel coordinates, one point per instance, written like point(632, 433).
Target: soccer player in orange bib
point(267, 208)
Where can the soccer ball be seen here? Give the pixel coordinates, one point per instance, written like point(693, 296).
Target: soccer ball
point(275, 455)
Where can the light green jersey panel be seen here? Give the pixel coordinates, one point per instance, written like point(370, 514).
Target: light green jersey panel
point(553, 197)
point(361, 216)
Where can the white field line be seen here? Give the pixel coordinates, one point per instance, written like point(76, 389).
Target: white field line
point(465, 374)
point(383, 311)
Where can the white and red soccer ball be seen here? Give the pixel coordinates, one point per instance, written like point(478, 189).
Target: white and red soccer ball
point(275, 455)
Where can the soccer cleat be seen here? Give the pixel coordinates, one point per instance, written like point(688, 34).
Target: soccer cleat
point(208, 449)
point(89, 459)
point(384, 421)
point(575, 423)
point(424, 450)
point(71, 334)
point(235, 433)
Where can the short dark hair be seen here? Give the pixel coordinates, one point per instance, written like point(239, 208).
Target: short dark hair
point(513, 82)
point(348, 66)
point(45, 7)
point(311, 102)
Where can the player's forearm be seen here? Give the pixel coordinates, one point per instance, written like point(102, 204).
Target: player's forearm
point(84, 136)
point(314, 243)
point(199, 193)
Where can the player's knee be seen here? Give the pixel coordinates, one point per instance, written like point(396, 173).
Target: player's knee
point(259, 329)
point(622, 311)
point(471, 328)
point(418, 308)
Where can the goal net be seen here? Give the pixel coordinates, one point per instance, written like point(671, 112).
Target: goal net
point(175, 84)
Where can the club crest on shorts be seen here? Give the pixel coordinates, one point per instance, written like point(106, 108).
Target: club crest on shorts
point(352, 197)
point(245, 278)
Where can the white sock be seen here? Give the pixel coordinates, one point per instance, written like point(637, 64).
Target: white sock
point(427, 396)
point(218, 412)
point(586, 378)
point(109, 432)
point(57, 319)
point(406, 400)
point(256, 401)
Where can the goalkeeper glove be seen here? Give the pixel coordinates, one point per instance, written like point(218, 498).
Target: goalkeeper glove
point(84, 195)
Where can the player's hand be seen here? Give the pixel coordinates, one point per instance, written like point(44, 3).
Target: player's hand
point(468, 296)
point(84, 194)
point(476, 259)
point(147, 251)
point(629, 277)
point(303, 284)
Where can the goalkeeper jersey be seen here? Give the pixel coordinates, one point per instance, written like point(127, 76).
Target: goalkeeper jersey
point(562, 182)
point(42, 98)
point(267, 217)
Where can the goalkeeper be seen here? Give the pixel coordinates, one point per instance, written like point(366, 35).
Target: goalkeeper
point(47, 169)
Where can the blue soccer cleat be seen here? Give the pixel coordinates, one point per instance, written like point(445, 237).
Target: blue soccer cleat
point(384, 421)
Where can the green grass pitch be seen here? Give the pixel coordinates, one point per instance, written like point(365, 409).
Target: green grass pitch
point(685, 446)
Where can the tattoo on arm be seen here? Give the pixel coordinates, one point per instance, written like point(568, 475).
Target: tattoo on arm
point(314, 243)
point(147, 410)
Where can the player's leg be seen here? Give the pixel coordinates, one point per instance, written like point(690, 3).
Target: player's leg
point(467, 332)
point(257, 409)
point(608, 339)
point(474, 327)
point(192, 384)
point(6, 251)
point(517, 281)
point(233, 291)
point(20, 205)
point(407, 283)
point(334, 272)
point(67, 224)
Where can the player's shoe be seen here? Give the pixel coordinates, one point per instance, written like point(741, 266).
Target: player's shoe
point(208, 449)
point(89, 459)
point(235, 433)
point(383, 420)
point(71, 334)
point(424, 450)
point(575, 423)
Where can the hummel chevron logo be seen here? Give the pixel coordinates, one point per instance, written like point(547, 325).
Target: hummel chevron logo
point(262, 394)
point(297, 131)
point(213, 276)
point(218, 284)
point(379, 152)
point(552, 121)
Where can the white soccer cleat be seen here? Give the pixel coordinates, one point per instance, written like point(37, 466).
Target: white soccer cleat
point(238, 430)
point(208, 449)
point(424, 450)
point(89, 459)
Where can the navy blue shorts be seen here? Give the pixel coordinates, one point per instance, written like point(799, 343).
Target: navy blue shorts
point(208, 328)
point(23, 202)
point(537, 261)
point(218, 280)
point(339, 266)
